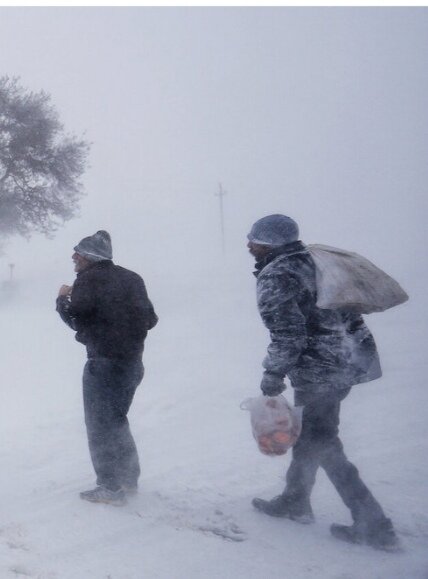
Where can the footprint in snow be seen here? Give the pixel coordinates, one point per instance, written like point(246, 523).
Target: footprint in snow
point(12, 536)
point(223, 526)
point(230, 532)
point(21, 571)
point(182, 515)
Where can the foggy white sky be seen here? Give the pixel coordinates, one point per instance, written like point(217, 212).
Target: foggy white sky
point(319, 113)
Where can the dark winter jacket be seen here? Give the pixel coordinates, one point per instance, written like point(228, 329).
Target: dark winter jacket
point(319, 350)
point(110, 311)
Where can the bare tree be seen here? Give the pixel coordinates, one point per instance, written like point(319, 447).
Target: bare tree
point(40, 165)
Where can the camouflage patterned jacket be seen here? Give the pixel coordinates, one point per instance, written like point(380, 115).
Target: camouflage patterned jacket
point(318, 350)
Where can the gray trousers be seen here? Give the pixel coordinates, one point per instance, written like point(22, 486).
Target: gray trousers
point(108, 390)
point(319, 445)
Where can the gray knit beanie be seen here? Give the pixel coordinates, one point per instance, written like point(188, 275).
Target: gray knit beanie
point(96, 247)
point(274, 230)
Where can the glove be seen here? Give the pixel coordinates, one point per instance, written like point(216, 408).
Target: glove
point(272, 384)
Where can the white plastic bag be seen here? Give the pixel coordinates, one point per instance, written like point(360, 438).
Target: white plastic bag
point(276, 425)
point(348, 281)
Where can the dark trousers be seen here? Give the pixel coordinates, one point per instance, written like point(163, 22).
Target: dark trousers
point(319, 445)
point(108, 390)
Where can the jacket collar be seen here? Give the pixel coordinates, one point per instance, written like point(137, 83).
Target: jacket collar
point(283, 250)
point(104, 264)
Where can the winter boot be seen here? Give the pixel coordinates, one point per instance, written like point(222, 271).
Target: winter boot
point(102, 494)
point(379, 536)
point(281, 506)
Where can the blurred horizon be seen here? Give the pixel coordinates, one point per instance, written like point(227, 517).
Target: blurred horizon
point(317, 113)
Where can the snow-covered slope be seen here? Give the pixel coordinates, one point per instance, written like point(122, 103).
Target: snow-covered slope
point(193, 517)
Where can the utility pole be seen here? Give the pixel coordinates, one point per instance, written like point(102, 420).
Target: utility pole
point(221, 193)
point(11, 268)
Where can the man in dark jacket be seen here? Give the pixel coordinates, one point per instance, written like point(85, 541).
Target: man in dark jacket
point(323, 353)
point(110, 311)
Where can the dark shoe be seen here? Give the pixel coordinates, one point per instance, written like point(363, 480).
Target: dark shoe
point(283, 507)
point(103, 495)
point(379, 536)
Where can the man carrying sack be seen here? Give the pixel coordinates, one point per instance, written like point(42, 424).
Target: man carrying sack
point(324, 352)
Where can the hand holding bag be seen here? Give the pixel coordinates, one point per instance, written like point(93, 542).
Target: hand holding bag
point(276, 425)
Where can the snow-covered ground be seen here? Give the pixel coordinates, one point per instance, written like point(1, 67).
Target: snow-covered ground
point(193, 517)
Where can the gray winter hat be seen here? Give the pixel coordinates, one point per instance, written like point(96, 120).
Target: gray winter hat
point(96, 247)
point(274, 230)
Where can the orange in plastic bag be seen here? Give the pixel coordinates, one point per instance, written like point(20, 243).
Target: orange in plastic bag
point(276, 425)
